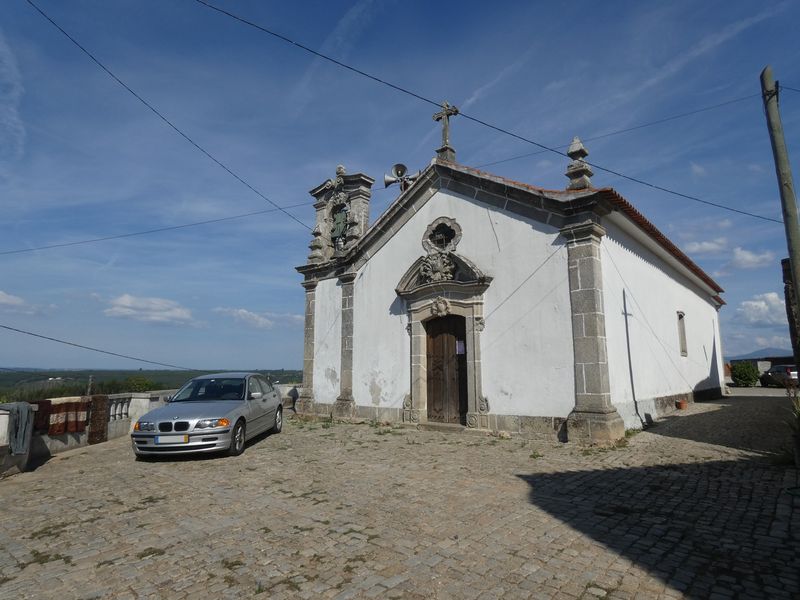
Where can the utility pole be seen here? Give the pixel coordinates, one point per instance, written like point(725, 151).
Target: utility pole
point(769, 93)
point(89, 387)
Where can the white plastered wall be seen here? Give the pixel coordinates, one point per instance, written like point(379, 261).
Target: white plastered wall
point(655, 292)
point(327, 340)
point(526, 346)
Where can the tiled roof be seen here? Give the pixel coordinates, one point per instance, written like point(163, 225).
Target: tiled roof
point(617, 201)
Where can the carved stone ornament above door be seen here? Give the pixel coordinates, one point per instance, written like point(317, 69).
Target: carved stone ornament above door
point(442, 269)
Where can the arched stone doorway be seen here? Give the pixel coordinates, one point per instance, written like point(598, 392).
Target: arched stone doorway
point(443, 294)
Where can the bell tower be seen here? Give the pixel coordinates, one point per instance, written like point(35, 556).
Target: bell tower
point(342, 206)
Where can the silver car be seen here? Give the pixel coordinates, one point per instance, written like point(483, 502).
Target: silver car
point(211, 413)
point(780, 375)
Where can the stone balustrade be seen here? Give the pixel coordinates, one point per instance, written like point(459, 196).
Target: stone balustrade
point(119, 406)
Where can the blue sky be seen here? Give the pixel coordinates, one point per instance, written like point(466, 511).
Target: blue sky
point(81, 158)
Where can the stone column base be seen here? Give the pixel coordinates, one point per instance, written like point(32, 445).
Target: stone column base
point(344, 408)
point(304, 405)
point(591, 428)
point(477, 420)
point(414, 415)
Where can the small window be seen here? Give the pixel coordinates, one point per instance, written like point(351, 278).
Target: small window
point(682, 333)
point(442, 236)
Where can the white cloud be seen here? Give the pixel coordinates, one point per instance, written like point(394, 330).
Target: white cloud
point(775, 341)
point(248, 317)
point(480, 92)
point(148, 310)
point(704, 46)
point(744, 259)
point(9, 301)
point(724, 224)
point(714, 246)
point(504, 72)
point(555, 85)
point(338, 44)
point(698, 170)
point(12, 129)
point(14, 304)
point(290, 318)
point(265, 320)
point(763, 309)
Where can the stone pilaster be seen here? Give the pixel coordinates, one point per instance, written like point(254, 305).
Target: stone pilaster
point(478, 405)
point(345, 404)
point(305, 402)
point(594, 420)
point(415, 405)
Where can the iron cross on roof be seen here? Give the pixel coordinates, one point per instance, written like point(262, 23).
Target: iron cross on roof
point(446, 152)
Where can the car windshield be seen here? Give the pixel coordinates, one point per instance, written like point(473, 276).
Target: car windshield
point(199, 390)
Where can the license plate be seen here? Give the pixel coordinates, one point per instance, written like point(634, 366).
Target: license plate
point(172, 439)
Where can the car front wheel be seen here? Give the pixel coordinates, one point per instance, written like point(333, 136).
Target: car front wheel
point(237, 439)
point(276, 428)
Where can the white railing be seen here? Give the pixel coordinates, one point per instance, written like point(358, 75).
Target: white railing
point(118, 407)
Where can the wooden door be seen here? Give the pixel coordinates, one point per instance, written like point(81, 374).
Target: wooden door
point(447, 370)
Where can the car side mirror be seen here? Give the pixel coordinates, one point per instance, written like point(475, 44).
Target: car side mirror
point(255, 395)
point(167, 399)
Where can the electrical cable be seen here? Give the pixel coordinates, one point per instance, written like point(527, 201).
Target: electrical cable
point(163, 118)
point(628, 129)
point(786, 87)
point(44, 337)
point(149, 231)
point(471, 118)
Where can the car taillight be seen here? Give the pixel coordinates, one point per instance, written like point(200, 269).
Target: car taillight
point(788, 371)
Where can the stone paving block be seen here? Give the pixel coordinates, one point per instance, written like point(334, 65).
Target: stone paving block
point(343, 512)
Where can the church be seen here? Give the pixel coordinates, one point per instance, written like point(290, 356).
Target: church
point(483, 303)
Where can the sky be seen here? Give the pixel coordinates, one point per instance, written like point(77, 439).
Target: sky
point(81, 158)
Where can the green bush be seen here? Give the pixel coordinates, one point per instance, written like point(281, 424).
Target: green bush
point(744, 374)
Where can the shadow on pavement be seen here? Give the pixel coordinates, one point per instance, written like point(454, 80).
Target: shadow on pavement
point(756, 423)
point(701, 528)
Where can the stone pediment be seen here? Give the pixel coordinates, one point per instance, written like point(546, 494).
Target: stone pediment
point(442, 272)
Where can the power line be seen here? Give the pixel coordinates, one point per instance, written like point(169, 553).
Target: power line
point(628, 177)
point(163, 118)
point(149, 231)
point(470, 117)
point(628, 129)
point(44, 337)
point(786, 87)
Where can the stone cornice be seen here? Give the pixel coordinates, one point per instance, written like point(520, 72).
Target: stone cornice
point(350, 181)
point(583, 232)
point(454, 289)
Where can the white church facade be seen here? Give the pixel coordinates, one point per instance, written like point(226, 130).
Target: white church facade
point(484, 303)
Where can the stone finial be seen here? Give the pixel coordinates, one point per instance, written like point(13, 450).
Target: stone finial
point(578, 171)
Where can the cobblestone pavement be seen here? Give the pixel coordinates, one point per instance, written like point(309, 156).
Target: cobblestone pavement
point(355, 511)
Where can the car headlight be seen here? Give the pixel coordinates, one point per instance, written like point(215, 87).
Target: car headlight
point(144, 426)
point(209, 423)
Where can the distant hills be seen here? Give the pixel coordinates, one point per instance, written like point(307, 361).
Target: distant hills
point(762, 353)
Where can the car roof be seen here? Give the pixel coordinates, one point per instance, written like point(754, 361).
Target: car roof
point(229, 375)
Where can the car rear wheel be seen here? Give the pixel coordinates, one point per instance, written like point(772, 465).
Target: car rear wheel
point(237, 439)
point(278, 421)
